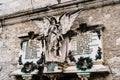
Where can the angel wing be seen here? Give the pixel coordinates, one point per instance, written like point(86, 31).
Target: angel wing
point(67, 20)
point(43, 25)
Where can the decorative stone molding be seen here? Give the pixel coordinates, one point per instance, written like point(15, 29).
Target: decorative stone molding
point(56, 9)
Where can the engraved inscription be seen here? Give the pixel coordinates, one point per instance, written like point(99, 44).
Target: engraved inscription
point(32, 49)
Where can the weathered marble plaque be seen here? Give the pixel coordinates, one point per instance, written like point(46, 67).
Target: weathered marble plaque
point(86, 44)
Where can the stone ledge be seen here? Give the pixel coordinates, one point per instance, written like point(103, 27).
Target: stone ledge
point(95, 68)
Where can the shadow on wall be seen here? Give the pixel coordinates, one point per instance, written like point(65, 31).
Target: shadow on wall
point(66, 77)
point(93, 76)
point(99, 76)
point(34, 77)
point(69, 77)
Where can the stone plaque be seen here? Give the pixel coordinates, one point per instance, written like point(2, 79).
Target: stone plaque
point(32, 49)
point(86, 44)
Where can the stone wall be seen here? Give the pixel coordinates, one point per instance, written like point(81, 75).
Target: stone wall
point(13, 6)
point(108, 16)
point(10, 46)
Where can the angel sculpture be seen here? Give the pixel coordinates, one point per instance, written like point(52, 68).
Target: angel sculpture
point(52, 28)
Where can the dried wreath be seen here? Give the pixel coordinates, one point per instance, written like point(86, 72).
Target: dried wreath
point(28, 67)
point(84, 63)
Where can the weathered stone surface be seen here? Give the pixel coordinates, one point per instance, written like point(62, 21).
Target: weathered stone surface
point(12, 6)
point(109, 17)
point(10, 44)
